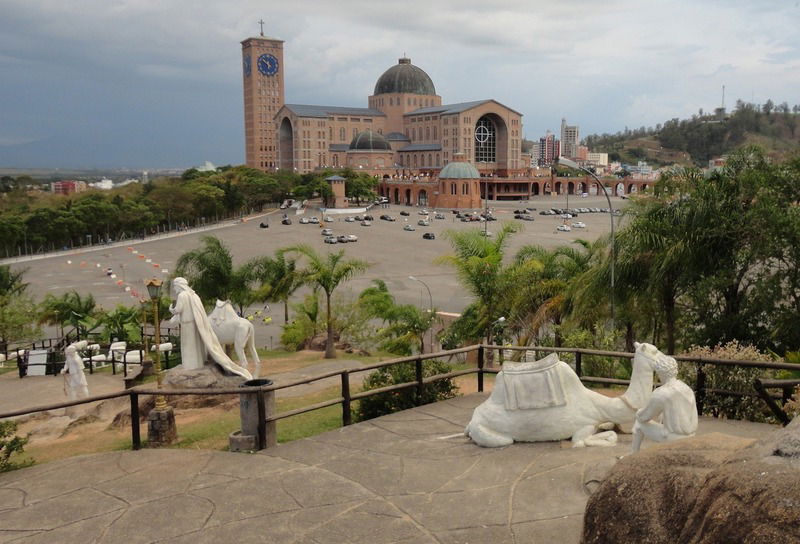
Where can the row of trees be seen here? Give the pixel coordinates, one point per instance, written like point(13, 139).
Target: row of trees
point(39, 221)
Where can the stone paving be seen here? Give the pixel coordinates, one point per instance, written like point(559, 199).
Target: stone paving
point(408, 477)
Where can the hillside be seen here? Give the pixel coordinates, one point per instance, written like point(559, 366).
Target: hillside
point(704, 136)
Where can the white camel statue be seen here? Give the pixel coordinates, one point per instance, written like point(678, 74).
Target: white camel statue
point(545, 400)
point(232, 329)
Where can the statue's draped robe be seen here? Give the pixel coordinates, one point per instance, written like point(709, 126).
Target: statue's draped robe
point(197, 338)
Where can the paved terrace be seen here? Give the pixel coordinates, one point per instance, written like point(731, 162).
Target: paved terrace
point(409, 477)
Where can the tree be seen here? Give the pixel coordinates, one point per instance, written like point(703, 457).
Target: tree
point(478, 261)
point(11, 283)
point(209, 270)
point(327, 273)
point(405, 324)
point(69, 309)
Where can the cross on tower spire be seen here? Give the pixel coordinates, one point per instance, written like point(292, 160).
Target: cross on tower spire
point(261, 22)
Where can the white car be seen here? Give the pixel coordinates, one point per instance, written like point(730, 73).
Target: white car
point(408, 228)
point(329, 219)
point(366, 223)
point(352, 238)
point(349, 219)
point(563, 228)
point(304, 220)
point(423, 212)
point(579, 225)
point(326, 232)
point(424, 223)
point(314, 220)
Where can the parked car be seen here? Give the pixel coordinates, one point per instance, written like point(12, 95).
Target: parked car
point(563, 228)
point(424, 223)
point(366, 223)
point(328, 219)
point(429, 236)
point(264, 225)
point(304, 220)
point(330, 240)
point(342, 238)
point(423, 211)
point(408, 228)
point(579, 225)
point(369, 218)
point(349, 219)
point(352, 238)
point(286, 221)
point(314, 220)
point(359, 218)
point(439, 215)
point(405, 213)
point(326, 232)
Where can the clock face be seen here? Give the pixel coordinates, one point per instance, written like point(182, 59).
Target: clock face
point(246, 65)
point(268, 65)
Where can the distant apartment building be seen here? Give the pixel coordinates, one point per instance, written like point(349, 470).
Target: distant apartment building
point(549, 149)
point(583, 152)
point(597, 159)
point(67, 187)
point(570, 137)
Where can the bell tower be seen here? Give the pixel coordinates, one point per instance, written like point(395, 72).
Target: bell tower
point(263, 83)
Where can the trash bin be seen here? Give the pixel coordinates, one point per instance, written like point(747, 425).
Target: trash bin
point(255, 433)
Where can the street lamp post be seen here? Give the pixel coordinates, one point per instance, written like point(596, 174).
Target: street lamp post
point(430, 298)
point(572, 164)
point(154, 290)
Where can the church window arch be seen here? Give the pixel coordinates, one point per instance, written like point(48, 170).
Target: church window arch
point(485, 140)
point(437, 160)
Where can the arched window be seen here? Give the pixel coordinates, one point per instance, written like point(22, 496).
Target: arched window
point(427, 133)
point(453, 189)
point(485, 140)
point(430, 159)
point(465, 189)
point(438, 163)
point(342, 134)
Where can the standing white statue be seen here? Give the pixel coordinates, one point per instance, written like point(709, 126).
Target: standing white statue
point(75, 385)
point(197, 337)
point(671, 412)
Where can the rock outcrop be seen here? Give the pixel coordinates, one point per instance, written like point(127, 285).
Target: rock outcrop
point(711, 488)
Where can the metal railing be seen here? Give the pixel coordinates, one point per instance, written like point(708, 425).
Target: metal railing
point(347, 396)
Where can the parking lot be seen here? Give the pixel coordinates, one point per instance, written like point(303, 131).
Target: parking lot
point(394, 253)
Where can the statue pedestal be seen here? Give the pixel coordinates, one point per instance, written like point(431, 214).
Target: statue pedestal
point(161, 430)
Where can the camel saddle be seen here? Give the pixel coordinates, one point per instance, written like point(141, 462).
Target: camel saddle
point(533, 385)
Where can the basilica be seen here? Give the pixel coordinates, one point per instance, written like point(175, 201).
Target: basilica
point(424, 151)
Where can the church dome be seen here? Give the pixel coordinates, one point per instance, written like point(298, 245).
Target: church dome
point(459, 170)
point(369, 141)
point(404, 77)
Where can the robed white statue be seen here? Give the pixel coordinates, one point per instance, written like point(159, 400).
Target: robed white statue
point(198, 341)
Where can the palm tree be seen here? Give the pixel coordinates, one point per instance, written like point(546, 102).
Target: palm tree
point(68, 309)
point(406, 324)
point(326, 273)
point(210, 271)
point(478, 261)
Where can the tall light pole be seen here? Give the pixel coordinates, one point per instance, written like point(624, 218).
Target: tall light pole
point(430, 298)
point(572, 164)
point(154, 290)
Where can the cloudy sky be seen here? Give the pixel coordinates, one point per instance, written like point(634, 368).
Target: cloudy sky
point(157, 83)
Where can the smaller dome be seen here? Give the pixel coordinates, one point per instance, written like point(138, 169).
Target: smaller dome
point(369, 141)
point(459, 170)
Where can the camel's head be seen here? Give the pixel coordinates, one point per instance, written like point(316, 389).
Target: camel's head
point(647, 354)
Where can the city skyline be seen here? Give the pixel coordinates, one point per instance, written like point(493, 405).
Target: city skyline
point(132, 84)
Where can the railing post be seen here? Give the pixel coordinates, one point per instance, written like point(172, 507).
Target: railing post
point(420, 384)
point(91, 365)
point(480, 369)
point(261, 409)
point(270, 427)
point(136, 438)
point(578, 363)
point(346, 415)
point(700, 385)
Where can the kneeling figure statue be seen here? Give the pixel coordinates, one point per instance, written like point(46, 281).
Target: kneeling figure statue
point(671, 412)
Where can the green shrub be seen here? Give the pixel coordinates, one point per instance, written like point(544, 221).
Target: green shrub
point(739, 379)
point(394, 401)
point(9, 445)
